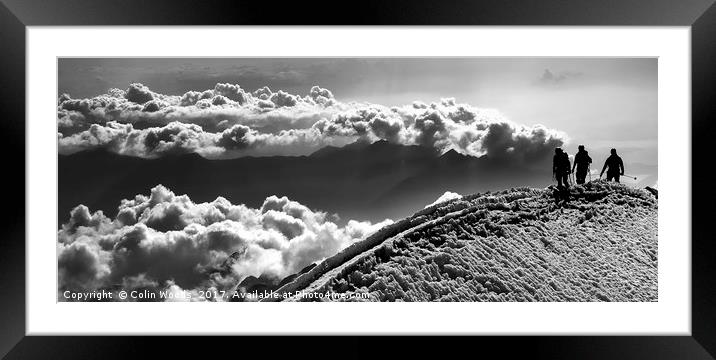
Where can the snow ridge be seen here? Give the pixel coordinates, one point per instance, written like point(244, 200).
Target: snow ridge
point(520, 244)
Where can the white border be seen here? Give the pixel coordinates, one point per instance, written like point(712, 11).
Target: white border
point(670, 315)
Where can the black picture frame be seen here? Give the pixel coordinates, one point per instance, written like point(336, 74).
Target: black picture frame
point(16, 15)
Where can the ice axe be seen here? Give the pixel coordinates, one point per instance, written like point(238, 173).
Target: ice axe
point(631, 177)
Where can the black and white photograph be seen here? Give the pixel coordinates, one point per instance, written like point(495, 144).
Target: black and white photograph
point(380, 179)
point(514, 175)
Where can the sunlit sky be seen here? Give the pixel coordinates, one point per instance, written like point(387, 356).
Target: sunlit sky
point(599, 102)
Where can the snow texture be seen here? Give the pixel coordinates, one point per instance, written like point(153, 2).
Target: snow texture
point(447, 196)
point(513, 245)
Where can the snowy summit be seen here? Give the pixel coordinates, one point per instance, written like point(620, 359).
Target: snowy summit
point(512, 245)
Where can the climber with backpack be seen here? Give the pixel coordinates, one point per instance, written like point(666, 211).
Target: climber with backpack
point(614, 166)
point(561, 168)
point(581, 162)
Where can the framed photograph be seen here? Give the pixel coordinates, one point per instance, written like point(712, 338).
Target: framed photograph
point(420, 169)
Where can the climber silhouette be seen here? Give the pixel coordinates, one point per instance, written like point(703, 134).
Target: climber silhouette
point(560, 168)
point(581, 162)
point(615, 167)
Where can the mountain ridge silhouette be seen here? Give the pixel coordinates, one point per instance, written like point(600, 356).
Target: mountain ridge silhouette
point(361, 181)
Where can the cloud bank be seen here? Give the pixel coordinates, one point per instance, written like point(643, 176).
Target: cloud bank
point(167, 242)
point(228, 121)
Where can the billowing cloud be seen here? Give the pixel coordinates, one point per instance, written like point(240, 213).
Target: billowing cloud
point(122, 138)
point(138, 93)
point(167, 242)
point(228, 121)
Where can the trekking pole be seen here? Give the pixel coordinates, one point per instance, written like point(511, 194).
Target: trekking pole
point(589, 169)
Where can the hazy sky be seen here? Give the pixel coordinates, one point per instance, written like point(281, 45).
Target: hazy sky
point(601, 102)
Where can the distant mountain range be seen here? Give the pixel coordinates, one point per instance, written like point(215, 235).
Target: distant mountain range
point(360, 181)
